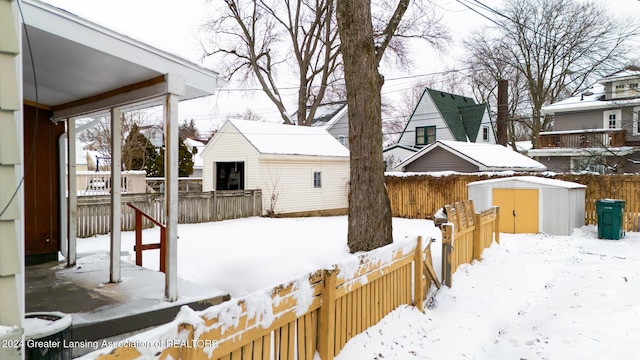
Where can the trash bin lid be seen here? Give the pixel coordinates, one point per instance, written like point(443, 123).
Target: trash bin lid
point(611, 201)
point(42, 324)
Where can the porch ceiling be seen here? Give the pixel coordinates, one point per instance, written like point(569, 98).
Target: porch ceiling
point(76, 59)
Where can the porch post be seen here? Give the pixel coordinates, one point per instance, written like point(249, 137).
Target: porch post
point(171, 195)
point(116, 204)
point(72, 191)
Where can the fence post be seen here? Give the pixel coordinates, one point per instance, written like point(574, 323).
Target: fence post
point(326, 337)
point(418, 290)
point(477, 238)
point(496, 225)
point(447, 250)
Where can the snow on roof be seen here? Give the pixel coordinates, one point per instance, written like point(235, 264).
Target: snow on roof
point(490, 156)
point(270, 138)
point(627, 72)
point(587, 100)
point(532, 179)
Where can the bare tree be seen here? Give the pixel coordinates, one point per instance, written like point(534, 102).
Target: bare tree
point(246, 115)
point(98, 137)
point(549, 49)
point(258, 38)
point(369, 208)
point(265, 41)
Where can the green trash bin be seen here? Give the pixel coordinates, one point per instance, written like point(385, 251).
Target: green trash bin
point(610, 224)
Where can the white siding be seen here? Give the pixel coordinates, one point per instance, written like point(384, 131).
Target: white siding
point(486, 121)
point(228, 145)
point(426, 114)
point(291, 181)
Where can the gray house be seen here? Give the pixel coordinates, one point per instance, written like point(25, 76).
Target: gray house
point(597, 130)
point(467, 157)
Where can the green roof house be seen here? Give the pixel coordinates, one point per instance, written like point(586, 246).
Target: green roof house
point(443, 116)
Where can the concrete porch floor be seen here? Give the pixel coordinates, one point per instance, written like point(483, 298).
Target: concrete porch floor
point(100, 309)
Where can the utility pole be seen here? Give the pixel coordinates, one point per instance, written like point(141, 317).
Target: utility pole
point(503, 111)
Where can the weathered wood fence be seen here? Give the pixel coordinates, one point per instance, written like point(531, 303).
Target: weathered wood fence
point(93, 211)
point(318, 313)
point(420, 196)
point(466, 235)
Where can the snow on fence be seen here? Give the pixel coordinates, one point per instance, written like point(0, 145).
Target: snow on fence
point(466, 235)
point(94, 211)
point(316, 313)
point(419, 196)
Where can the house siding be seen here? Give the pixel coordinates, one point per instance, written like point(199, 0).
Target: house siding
point(341, 128)
point(578, 121)
point(292, 183)
point(394, 156)
point(440, 159)
point(230, 146)
point(426, 114)
point(486, 121)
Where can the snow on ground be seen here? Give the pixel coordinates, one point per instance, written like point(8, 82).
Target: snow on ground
point(244, 255)
point(535, 296)
point(532, 297)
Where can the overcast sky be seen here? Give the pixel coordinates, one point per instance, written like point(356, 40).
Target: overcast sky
point(173, 26)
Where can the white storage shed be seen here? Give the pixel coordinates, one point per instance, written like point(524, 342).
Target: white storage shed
point(301, 170)
point(531, 204)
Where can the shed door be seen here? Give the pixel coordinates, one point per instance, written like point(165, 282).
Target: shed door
point(518, 210)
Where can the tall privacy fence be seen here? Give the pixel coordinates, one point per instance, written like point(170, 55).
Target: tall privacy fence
point(420, 196)
point(317, 313)
point(198, 207)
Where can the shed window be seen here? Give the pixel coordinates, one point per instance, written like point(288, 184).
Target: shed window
point(317, 179)
point(425, 135)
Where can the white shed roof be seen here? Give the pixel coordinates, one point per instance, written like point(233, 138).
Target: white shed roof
point(533, 180)
point(270, 138)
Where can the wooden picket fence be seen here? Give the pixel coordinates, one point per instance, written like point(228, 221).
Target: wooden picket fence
point(318, 313)
point(94, 211)
point(420, 196)
point(466, 235)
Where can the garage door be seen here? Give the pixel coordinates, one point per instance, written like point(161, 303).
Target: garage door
point(518, 210)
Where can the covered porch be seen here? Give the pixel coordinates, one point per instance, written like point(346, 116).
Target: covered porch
point(70, 68)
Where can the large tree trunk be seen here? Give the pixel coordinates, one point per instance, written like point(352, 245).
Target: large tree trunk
point(369, 208)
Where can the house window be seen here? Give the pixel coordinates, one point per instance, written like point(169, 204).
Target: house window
point(342, 139)
point(633, 86)
point(485, 133)
point(612, 119)
point(425, 135)
point(317, 179)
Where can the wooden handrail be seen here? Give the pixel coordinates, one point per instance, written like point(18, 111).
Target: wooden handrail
point(139, 247)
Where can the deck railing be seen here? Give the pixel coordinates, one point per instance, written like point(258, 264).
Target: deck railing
point(139, 247)
point(580, 139)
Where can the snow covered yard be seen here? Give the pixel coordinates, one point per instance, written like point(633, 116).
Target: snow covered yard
point(245, 255)
point(533, 297)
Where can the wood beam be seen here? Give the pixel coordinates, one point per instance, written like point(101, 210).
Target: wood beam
point(133, 93)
